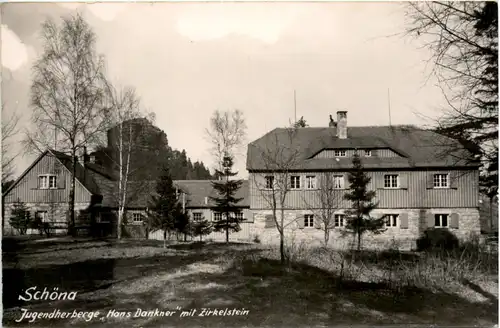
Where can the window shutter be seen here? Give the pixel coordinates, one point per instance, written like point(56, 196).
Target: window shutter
point(403, 220)
point(317, 222)
point(430, 220)
point(403, 180)
point(430, 181)
point(61, 181)
point(247, 215)
point(346, 181)
point(454, 221)
point(453, 180)
point(300, 220)
point(32, 182)
point(270, 223)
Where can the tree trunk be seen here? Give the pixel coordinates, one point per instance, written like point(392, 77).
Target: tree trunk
point(227, 234)
point(71, 230)
point(359, 241)
point(164, 238)
point(491, 215)
point(120, 222)
point(282, 247)
point(327, 236)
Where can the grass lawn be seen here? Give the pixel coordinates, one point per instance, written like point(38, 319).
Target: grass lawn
point(118, 278)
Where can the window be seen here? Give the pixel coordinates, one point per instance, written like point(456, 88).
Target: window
point(217, 216)
point(338, 182)
point(52, 181)
point(197, 216)
point(340, 153)
point(269, 182)
point(440, 180)
point(294, 182)
point(42, 215)
point(368, 153)
point(310, 182)
point(391, 220)
point(339, 220)
point(137, 217)
point(308, 221)
point(440, 220)
point(47, 181)
point(391, 181)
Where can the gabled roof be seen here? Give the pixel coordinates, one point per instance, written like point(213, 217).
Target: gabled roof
point(197, 190)
point(140, 192)
point(100, 182)
point(417, 147)
point(85, 179)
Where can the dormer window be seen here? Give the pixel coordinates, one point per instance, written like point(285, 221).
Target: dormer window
point(340, 153)
point(368, 153)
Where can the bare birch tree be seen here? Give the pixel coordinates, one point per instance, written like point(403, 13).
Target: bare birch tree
point(10, 129)
point(227, 134)
point(326, 199)
point(280, 158)
point(68, 94)
point(126, 115)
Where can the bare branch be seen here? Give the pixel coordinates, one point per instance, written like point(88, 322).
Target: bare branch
point(227, 134)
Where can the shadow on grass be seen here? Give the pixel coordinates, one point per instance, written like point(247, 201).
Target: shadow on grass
point(92, 275)
point(301, 295)
point(208, 246)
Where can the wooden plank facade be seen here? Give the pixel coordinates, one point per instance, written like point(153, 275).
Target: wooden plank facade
point(414, 191)
point(28, 191)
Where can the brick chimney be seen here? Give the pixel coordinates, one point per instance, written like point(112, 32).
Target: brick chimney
point(342, 124)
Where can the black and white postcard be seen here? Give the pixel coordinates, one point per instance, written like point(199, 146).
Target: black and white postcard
point(249, 164)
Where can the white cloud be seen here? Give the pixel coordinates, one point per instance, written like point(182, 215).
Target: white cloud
point(14, 51)
point(212, 21)
point(106, 11)
point(70, 5)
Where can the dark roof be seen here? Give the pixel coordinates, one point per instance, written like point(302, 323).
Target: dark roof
point(197, 190)
point(99, 181)
point(83, 177)
point(139, 192)
point(416, 147)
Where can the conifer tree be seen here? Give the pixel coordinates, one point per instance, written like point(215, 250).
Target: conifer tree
point(226, 202)
point(165, 207)
point(200, 228)
point(358, 217)
point(20, 217)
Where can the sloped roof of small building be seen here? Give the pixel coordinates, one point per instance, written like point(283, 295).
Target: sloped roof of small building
point(197, 190)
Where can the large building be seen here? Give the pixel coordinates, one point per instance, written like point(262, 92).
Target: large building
point(421, 179)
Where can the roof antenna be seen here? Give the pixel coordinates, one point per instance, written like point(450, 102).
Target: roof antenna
point(295, 104)
point(389, 105)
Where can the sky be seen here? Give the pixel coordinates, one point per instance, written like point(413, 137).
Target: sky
point(187, 60)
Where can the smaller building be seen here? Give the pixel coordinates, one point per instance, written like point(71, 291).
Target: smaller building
point(44, 188)
point(199, 206)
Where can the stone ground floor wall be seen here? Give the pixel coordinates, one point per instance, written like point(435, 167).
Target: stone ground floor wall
point(56, 212)
point(401, 237)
